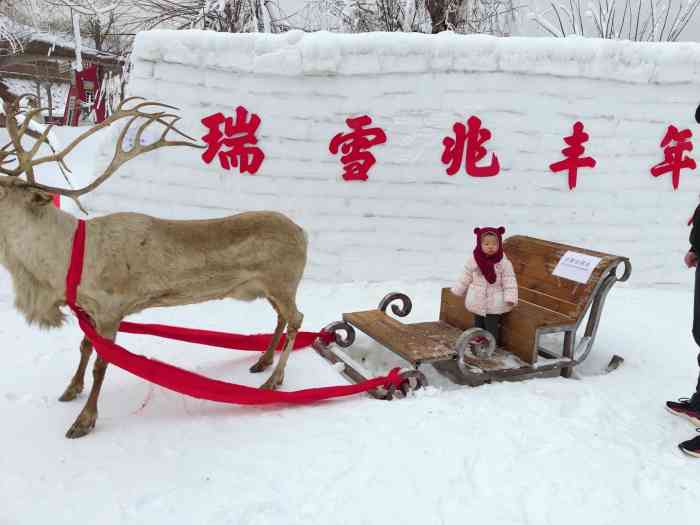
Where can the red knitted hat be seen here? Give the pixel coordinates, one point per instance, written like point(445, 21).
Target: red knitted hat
point(498, 232)
point(487, 262)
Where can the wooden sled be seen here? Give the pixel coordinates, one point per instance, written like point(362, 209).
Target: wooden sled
point(547, 304)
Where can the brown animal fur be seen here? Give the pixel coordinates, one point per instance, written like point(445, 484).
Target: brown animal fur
point(134, 262)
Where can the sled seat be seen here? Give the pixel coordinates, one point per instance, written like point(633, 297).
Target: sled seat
point(413, 345)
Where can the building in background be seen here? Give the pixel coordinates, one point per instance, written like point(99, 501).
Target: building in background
point(46, 68)
point(82, 96)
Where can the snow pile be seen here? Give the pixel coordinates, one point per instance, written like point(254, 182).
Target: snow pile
point(322, 53)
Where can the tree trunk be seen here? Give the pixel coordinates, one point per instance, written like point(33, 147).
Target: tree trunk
point(273, 16)
point(97, 34)
point(445, 14)
point(49, 99)
point(437, 10)
point(37, 86)
point(259, 16)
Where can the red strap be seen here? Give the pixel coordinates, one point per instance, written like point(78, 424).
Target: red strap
point(256, 342)
point(183, 381)
point(75, 268)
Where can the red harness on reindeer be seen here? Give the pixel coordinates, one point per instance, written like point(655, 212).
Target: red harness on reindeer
point(186, 382)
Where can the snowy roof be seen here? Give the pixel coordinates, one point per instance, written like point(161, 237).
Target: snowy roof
point(59, 92)
point(323, 53)
point(54, 39)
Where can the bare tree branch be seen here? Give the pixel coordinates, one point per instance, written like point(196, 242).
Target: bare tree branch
point(646, 24)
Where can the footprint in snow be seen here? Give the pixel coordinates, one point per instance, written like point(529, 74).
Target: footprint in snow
point(18, 398)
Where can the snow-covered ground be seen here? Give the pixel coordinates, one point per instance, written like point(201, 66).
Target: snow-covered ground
point(599, 449)
point(596, 450)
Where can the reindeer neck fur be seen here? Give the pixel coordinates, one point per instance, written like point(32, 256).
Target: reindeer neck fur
point(35, 249)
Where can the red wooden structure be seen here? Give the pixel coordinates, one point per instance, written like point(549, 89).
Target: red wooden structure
point(83, 94)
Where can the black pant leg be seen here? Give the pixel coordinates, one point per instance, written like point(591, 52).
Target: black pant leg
point(696, 319)
point(493, 325)
point(479, 321)
point(697, 388)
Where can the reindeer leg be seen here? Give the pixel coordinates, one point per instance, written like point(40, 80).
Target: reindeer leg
point(85, 422)
point(277, 376)
point(267, 358)
point(76, 384)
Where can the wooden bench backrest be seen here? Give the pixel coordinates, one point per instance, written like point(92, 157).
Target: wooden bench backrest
point(534, 261)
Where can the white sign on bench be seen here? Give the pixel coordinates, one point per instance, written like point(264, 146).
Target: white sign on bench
point(576, 266)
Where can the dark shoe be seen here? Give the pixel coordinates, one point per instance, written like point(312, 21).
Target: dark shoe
point(685, 408)
point(692, 446)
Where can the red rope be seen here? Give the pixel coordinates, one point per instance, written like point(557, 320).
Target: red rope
point(186, 382)
point(256, 342)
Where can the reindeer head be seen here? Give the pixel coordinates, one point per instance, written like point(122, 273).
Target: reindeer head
point(17, 160)
point(16, 195)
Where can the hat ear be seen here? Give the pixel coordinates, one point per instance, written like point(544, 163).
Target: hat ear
point(477, 230)
point(501, 230)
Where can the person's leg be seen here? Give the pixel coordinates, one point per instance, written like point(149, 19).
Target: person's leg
point(479, 321)
point(493, 325)
point(696, 395)
point(691, 409)
point(684, 407)
point(696, 328)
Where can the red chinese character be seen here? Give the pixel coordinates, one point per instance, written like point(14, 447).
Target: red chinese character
point(356, 161)
point(235, 137)
point(673, 155)
point(473, 137)
point(573, 160)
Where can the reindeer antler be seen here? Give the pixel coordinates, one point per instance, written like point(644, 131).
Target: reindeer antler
point(18, 154)
point(27, 163)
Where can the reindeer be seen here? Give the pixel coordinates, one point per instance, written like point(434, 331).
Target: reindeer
point(135, 261)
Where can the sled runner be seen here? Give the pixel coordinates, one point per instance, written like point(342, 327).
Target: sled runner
point(549, 303)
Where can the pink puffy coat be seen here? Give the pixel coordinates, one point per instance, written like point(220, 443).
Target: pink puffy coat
point(486, 298)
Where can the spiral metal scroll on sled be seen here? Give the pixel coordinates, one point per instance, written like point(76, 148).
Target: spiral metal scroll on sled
point(475, 342)
point(412, 380)
point(406, 304)
point(341, 326)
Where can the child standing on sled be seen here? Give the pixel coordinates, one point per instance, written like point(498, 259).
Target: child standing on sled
point(488, 281)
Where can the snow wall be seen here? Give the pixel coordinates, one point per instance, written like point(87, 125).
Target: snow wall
point(410, 220)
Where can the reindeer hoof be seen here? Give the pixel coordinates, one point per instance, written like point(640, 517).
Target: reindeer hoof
point(272, 383)
point(260, 366)
point(71, 392)
point(269, 385)
point(82, 426)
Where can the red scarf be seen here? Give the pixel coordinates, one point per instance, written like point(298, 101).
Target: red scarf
point(485, 262)
point(195, 385)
